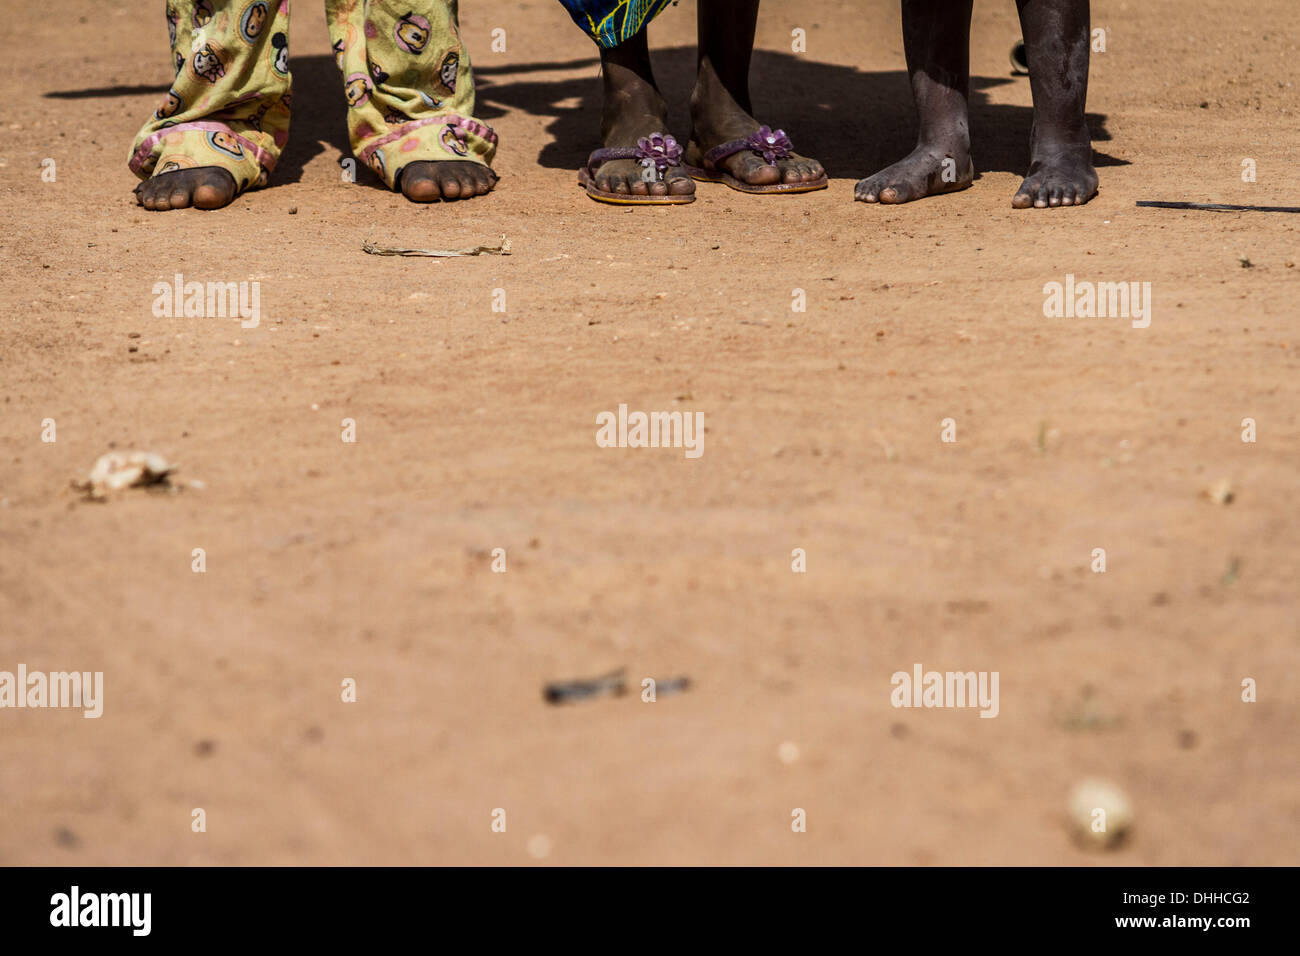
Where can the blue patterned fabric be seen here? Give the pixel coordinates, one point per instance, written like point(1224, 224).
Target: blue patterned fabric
point(610, 22)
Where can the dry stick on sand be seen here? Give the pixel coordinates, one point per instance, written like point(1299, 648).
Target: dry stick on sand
point(375, 250)
point(613, 684)
point(1214, 206)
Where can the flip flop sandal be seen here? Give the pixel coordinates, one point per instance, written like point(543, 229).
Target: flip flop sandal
point(656, 153)
point(771, 144)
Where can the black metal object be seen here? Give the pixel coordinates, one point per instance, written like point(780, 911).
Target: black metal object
point(1019, 59)
point(1215, 206)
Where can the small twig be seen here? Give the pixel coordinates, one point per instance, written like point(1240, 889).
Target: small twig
point(672, 685)
point(376, 250)
point(560, 692)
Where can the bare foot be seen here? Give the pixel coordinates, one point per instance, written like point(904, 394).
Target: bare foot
point(204, 187)
point(926, 171)
point(1061, 173)
point(1058, 176)
point(424, 181)
point(936, 39)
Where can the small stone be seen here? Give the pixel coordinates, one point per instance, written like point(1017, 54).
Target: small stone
point(1100, 815)
point(1220, 491)
point(118, 470)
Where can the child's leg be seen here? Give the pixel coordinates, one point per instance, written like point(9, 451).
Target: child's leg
point(410, 96)
point(720, 106)
point(633, 107)
point(1056, 41)
point(936, 39)
point(221, 126)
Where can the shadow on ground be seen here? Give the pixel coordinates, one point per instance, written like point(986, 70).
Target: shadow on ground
point(807, 98)
point(855, 122)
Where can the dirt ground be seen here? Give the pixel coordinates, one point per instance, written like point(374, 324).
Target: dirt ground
point(475, 430)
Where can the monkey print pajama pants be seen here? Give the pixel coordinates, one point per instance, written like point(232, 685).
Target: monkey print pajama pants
point(406, 76)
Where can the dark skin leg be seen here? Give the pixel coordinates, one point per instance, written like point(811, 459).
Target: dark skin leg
point(936, 35)
point(721, 110)
point(204, 187)
point(936, 38)
point(633, 108)
point(1061, 172)
point(425, 181)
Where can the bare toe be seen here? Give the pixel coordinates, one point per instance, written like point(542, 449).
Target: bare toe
point(430, 181)
point(681, 186)
point(466, 182)
point(752, 170)
point(208, 196)
point(420, 189)
point(927, 171)
point(204, 187)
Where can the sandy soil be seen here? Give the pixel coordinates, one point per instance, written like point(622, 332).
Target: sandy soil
point(475, 429)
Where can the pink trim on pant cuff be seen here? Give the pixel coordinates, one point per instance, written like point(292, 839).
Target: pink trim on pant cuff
point(447, 119)
point(145, 148)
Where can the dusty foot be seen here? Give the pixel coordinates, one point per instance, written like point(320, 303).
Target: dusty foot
point(927, 171)
point(204, 187)
point(634, 110)
point(1059, 175)
point(425, 181)
point(716, 118)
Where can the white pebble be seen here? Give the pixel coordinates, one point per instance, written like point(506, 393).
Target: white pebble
point(1100, 814)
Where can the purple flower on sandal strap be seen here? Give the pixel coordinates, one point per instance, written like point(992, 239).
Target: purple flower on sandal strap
point(660, 150)
point(771, 144)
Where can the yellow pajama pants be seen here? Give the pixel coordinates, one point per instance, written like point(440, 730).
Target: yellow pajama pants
point(406, 76)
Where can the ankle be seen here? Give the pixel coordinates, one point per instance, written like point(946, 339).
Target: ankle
point(947, 142)
point(712, 93)
point(1061, 139)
